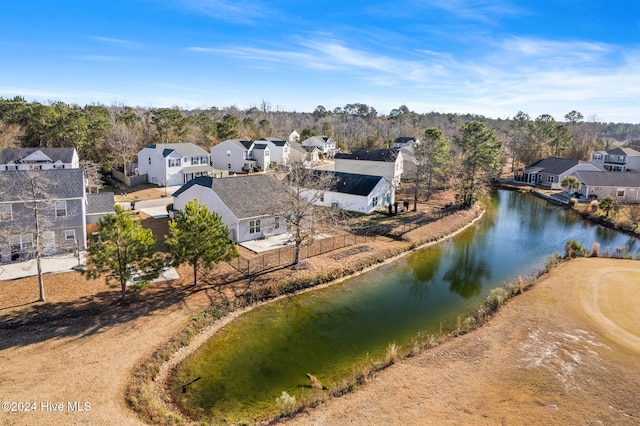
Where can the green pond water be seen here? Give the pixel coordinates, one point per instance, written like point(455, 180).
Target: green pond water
point(330, 331)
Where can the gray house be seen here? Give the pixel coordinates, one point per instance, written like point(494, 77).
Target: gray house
point(549, 172)
point(625, 187)
point(56, 197)
point(247, 204)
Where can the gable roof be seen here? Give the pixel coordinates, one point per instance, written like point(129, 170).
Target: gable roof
point(246, 196)
point(50, 184)
point(405, 139)
point(185, 149)
point(383, 154)
point(629, 152)
point(298, 147)
point(260, 146)
point(556, 166)
point(350, 183)
point(64, 155)
point(614, 179)
point(275, 141)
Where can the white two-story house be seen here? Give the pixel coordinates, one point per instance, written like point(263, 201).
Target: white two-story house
point(280, 150)
point(168, 164)
point(379, 162)
point(325, 145)
point(618, 159)
point(240, 156)
point(38, 159)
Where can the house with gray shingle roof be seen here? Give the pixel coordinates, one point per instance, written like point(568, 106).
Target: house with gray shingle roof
point(618, 159)
point(38, 159)
point(99, 205)
point(250, 205)
point(387, 162)
point(625, 187)
point(280, 150)
point(234, 156)
point(325, 145)
point(167, 164)
point(58, 198)
point(549, 172)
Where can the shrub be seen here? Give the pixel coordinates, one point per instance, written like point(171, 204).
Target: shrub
point(286, 402)
point(574, 249)
point(392, 354)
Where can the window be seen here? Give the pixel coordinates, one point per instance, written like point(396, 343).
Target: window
point(149, 160)
point(620, 192)
point(6, 212)
point(69, 234)
point(174, 162)
point(374, 201)
point(228, 153)
point(277, 222)
point(322, 197)
point(549, 179)
point(254, 226)
point(229, 166)
point(27, 241)
point(597, 156)
point(12, 167)
point(61, 208)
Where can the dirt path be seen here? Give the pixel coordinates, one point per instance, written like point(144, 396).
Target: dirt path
point(567, 352)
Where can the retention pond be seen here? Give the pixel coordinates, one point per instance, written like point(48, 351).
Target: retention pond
point(331, 331)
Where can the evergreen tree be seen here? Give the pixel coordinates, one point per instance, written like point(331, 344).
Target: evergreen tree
point(198, 237)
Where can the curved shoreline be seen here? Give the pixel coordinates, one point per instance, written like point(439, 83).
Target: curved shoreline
point(159, 383)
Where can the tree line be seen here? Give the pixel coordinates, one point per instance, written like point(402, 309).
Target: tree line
point(112, 135)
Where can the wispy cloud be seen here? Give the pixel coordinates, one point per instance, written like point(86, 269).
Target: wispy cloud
point(239, 12)
point(114, 41)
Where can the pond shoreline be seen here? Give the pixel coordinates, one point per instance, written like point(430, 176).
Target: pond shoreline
point(158, 386)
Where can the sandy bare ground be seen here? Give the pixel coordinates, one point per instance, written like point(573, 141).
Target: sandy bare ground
point(566, 352)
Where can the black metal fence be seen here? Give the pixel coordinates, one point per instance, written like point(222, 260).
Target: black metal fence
point(285, 256)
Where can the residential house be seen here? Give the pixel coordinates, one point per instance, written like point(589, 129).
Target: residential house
point(233, 155)
point(294, 137)
point(308, 155)
point(356, 192)
point(549, 172)
point(57, 197)
point(279, 150)
point(168, 164)
point(385, 162)
point(326, 146)
point(405, 141)
point(261, 152)
point(624, 187)
point(250, 205)
point(618, 159)
point(38, 159)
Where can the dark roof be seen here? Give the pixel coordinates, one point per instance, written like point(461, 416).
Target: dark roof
point(247, 196)
point(629, 152)
point(275, 141)
point(614, 179)
point(186, 149)
point(100, 203)
point(405, 139)
point(260, 146)
point(50, 184)
point(351, 183)
point(383, 154)
point(556, 166)
point(64, 155)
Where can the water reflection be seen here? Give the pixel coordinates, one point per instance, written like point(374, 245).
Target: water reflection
point(327, 331)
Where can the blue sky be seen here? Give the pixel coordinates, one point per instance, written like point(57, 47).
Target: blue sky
point(489, 57)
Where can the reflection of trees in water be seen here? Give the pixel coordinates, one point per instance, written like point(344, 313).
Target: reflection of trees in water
point(606, 234)
point(467, 271)
point(423, 269)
